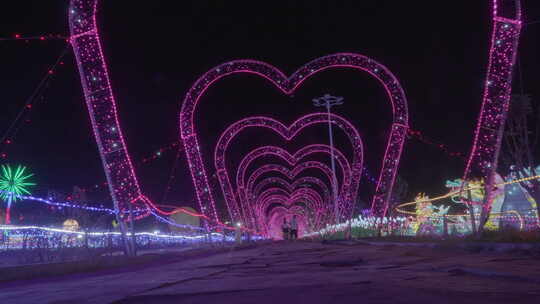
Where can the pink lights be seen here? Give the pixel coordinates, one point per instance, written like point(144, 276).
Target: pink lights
point(351, 173)
point(121, 177)
point(502, 55)
point(288, 85)
point(117, 164)
point(100, 102)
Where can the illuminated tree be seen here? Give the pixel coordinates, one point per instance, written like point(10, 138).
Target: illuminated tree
point(13, 184)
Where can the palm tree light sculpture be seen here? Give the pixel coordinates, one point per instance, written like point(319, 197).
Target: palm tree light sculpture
point(13, 184)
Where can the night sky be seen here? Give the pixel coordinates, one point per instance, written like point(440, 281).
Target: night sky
point(157, 49)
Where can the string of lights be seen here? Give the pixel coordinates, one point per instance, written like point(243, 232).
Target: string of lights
point(454, 193)
point(424, 139)
point(23, 38)
point(22, 117)
point(111, 211)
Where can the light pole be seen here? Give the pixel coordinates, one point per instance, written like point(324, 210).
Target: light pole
point(329, 101)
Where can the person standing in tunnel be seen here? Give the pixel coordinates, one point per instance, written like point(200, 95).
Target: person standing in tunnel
point(294, 228)
point(285, 229)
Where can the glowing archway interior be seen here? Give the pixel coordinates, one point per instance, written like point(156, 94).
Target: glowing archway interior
point(288, 133)
point(284, 198)
point(277, 181)
point(117, 164)
point(283, 203)
point(350, 186)
point(320, 213)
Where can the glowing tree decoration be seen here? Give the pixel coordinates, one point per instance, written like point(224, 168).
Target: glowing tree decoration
point(288, 133)
point(13, 184)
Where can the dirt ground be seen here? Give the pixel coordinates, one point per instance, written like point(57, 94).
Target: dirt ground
point(304, 272)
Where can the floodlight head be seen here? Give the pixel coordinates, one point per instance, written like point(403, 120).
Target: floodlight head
point(327, 101)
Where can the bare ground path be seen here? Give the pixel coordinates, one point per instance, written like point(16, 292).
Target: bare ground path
point(305, 272)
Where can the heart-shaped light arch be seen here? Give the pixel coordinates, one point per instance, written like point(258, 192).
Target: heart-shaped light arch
point(123, 184)
point(317, 204)
point(288, 133)
point(350, 188)
point(288, 203)
point(277, 181)
point(260, 187)
point(292, 160)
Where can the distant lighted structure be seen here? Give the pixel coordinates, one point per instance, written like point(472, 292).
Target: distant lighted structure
point(71, 225)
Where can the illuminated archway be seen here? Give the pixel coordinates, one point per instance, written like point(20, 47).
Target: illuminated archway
point(122, 181)
point(350, 179)
point(288, 133)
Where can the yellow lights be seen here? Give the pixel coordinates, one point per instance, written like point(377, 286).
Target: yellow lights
point(425, 199)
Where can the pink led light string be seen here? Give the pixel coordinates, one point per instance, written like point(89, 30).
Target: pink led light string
point(306, 181)
point(101, 104)
point(288, 85)
point(292, 160)
point(320, 204)
point(117, 164)
point(288, 133)
point(311, 198)
point(349, 188)
point(287, 203)
point(299, 182)
point(484, 155)
point(290, 174)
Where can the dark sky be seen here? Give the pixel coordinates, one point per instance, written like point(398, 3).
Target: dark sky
point(157, 49)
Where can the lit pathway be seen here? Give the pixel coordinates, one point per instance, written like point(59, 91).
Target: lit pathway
point(304, 272)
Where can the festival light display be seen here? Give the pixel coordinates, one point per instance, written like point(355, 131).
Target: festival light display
point(36, 237)
point(318, 205)
point(306, 181)
point(313, 205)
point(277, 215)
point(117, 164)
point(286, 204)
point(348, 176)
point(395, 92)
point(290, 174)
point(483, 158)
point(118, 167)
point(13, 184)
point(288, 133)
